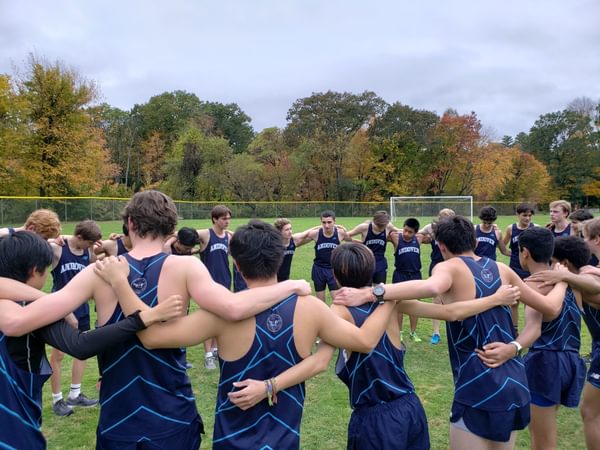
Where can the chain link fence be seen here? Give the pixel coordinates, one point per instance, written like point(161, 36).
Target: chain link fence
point(14, 210)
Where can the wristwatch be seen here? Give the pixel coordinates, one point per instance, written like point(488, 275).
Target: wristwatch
point(378, 292)
point(518, 346)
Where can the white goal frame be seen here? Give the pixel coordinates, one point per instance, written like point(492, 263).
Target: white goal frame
point(444, 201)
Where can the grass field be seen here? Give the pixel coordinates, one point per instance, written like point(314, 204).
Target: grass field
point(326, 408)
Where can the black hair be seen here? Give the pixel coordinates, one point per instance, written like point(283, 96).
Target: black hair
point(573, 249)
point(22, 251)
point(188, 236)
point(413, 223)
point(581, 214)
point(328, 213)
point(525, 207)
point(488, 214)
point(257, 249)
point(353, 264)
point(456, 233)
point(540, 243)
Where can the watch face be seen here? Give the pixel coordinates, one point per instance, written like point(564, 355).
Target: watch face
point(378, 290)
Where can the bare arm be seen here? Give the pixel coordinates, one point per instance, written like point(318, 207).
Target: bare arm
point(253, 391)
point(167, 245)
point(501, 244)
point(358, 229)
point(303, 237)
point(15, 290)
point(585, 283)
point(507, 235)
point(505, 295)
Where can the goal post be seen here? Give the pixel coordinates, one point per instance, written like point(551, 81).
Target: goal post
point(429, 207)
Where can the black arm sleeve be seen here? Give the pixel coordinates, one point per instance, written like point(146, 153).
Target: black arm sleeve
point(83, 345)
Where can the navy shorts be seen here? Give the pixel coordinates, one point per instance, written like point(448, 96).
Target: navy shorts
point(82, 314)
point(398, 424)
point(322, 278)
point(398, 277)
point(493, 425)
point(555, 377)
point(187, 438)
point(593, 375)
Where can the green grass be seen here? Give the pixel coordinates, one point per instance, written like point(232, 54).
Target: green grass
point(326, 408)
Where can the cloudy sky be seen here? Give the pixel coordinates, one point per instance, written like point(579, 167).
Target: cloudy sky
point(508, 61)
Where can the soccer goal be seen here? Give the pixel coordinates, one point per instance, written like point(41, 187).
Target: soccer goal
point(429, 207)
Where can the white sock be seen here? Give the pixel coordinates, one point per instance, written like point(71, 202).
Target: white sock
point(208, 355)
point(75, 391)
point(56, 397)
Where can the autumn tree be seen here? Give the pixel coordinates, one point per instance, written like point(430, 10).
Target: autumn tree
point(66, 153)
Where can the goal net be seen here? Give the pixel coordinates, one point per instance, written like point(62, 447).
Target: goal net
point(427, 208)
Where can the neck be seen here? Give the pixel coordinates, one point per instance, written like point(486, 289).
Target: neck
point(561, 224)
point(218, 230)
point(261, 283)
point(144, 247)
point(534, 267)
point(485, 228)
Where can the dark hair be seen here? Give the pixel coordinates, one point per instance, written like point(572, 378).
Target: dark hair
point(353, 264)
point(188, 236)
point(381, 218)
point(219, 211)
point(413, 223)
point(488, 214)
point(581, 214)
point(573, 249)
point(328, 213)
point(281, 222)
point(456, 233)
point(88, 230)
point(539, 241)
point(257, 249)
point(525, 207)
point(152, 213)
point(22, 251)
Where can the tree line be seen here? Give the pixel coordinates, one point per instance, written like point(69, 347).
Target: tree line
point(57, 139)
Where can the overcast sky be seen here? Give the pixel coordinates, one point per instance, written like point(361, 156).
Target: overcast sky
point(509, 61)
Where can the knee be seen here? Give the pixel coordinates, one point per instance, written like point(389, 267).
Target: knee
point(589, 412)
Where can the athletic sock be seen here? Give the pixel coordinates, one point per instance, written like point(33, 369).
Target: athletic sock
point(56, 397)
point(75, 391)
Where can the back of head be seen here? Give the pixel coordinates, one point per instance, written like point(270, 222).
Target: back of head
point(456, 233)
point(540, 243)
point(572, 249)
point(21, 252)
point(281, 222)
point(353, 264)
point(445, 213)
point(581, 215)
point(219, 211)
point(488, 214)
point(188, 236)
point(328, 213)
point(525, 208)
point(591, 228)
point(152, 213)
point(88, 230)
point(43, 222)
point(412, 223)
point(381, 219)
point(565, 205)
point(257, 249)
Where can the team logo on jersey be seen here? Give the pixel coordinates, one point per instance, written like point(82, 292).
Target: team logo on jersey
point(274, 322)
point(487, 275)
point(139, 285)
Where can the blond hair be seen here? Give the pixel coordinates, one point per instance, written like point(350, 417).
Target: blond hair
point(565, 205)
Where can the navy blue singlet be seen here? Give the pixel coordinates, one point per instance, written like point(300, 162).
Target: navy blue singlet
point(68, 266)
point(436, 256)
point(476, 385)
point(486, 243)
point(377, 243)
point(323, 248)
point(145, 394)
point(273, 350)
point(377, 377)
point(20, 403)
point(216, 258)
point(121, 249)
point(514, 251)
point(407, 257)
point(591, 317)
point(286, 265)
point(565, 232)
